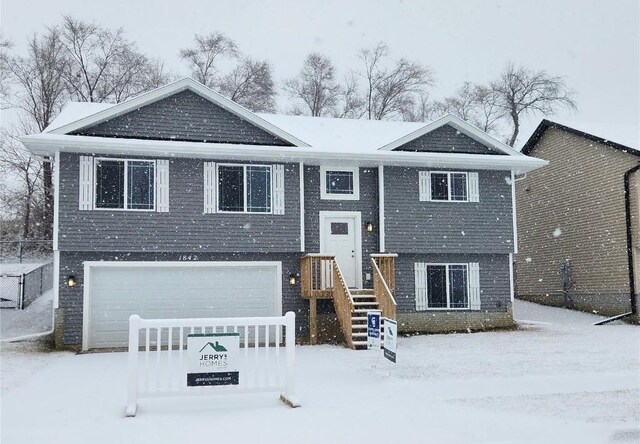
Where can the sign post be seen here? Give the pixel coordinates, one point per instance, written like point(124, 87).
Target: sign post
point(390, 339)
point(373, 329)
point(213, 359)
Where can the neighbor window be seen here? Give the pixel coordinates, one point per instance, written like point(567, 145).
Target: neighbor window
point(339, 183)
point(125, 184)
point(447, 286)
point(244, 188)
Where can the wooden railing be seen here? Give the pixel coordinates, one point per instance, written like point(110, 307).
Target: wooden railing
point(384, 279)
point(316, 276)
point(343, 304)
point(321, 278)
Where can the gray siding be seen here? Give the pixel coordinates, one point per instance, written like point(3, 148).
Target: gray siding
point(495, 290)
point(412, 226)
point(447, 139)
point(367, 205)
point(184, 227)
point(71, 299)
point(184, 116)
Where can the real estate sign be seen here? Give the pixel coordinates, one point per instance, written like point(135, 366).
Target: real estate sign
point(213, 359)
point(390, 339)
point(373, 329)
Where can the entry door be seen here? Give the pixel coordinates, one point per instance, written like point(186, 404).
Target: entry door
point(340, 237)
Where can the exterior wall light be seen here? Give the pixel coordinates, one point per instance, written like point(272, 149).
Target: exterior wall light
point(292, 279)
point(71, 281)
point(369, 227)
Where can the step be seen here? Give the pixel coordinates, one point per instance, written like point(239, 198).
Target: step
point(359, 291)
point(365, 303)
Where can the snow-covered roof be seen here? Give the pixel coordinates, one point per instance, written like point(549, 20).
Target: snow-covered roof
point(314, 139)
point(73, 111)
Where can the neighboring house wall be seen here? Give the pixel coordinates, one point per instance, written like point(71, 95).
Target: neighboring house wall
point(574, 209)
point(414, 226)
point(447, 139)
point(184, 228)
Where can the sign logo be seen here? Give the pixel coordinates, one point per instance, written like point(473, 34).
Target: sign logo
point(390, 339)
point(373, 329)
point(213, 359)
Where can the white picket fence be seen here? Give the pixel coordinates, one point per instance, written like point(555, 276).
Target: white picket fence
point(158, 356)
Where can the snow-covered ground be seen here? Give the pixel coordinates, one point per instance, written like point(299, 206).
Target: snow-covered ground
point(558, 379)
point(36, 318)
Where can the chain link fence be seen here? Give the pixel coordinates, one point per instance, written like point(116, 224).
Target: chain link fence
point(20, 290)
point(26, 249)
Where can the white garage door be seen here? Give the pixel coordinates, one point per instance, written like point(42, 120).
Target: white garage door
point(174, 290)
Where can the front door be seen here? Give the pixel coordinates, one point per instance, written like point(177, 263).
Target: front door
point(340, 236)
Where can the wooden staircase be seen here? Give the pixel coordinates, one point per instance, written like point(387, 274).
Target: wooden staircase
point(363, 301)
point(321, 278)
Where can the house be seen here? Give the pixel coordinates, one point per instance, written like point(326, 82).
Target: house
point(578, 220)
point(181, 203)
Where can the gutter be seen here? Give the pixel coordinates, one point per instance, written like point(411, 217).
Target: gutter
point(632, 279)
point(41, 144)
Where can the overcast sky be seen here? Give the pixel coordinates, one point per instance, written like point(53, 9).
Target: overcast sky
point(594, 44)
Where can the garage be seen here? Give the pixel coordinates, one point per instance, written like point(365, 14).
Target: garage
point(113, 291)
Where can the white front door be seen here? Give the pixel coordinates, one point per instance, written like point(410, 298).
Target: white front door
point(340, 236)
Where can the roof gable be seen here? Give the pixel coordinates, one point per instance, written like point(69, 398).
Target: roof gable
point(183, 111)
point(447, 139)
point(547, 124)
point(415, 139)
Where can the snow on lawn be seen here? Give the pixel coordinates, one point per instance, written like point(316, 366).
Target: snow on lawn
point(36, 318)
point(547, 383)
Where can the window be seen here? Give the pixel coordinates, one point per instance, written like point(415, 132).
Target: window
point(244, 188)
point(124, 184)
point(447, 286)
point(449, 186)
point(339, 183)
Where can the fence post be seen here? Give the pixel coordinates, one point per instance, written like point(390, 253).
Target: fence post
point(20, 304)
point(134, 347)
point(289, 397)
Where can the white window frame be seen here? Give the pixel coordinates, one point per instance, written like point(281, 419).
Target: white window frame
point(449, 173)
point(448, 307)
point(331, 196)
point(244, 186)
point(126, 183)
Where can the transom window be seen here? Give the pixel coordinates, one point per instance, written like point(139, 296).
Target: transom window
point(339, 183)
point(449, 186)
point(447, 286)
point(125, 184)
point(244, 188)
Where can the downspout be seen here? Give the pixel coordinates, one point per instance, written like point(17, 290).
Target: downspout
point(627, 207)
point(632, 279)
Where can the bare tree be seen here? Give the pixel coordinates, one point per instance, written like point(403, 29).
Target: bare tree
point(5, 71)
point(153, 75)
point(250, 84)
point(390, 92)
point(315, 88)
point(15, 159)
point(476, 104)
point(523, 91)
point(102, 65)
point(203, 57)
point(40, 96)
point(422, 110)
point(350, 101)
